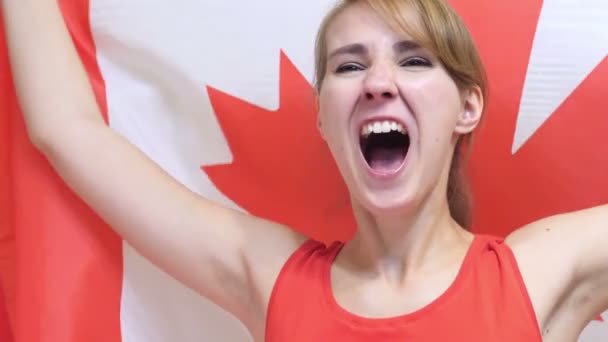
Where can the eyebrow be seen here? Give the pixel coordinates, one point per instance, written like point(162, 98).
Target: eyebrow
point(360, 49)
point(405, 46)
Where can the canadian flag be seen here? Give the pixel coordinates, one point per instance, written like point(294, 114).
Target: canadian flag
point(218, 93)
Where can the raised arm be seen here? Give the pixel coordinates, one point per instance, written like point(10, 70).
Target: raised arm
point(225, 255)
point(565, 259)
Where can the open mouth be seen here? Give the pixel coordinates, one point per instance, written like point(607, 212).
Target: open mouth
point(384, 145)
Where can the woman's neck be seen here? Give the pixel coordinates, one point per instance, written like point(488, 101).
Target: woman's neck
point(396, 245)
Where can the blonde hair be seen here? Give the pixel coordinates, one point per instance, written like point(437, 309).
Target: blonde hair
point(444, 34)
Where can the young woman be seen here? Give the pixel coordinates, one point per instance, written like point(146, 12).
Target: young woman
point(400, 89)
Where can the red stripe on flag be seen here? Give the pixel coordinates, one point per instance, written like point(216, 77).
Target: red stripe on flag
point(7, 243)
point(6, 334)
point(7, 232)
point(69, 263)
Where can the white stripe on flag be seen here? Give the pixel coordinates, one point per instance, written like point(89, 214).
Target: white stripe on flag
point(156, 58)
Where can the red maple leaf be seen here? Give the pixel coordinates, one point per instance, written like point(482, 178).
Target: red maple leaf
point(282, 168)
point(564, 165)
point(283, 171)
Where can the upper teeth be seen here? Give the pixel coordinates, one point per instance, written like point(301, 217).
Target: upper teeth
point(385, 126)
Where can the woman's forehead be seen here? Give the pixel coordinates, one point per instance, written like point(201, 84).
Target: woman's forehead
point(358, 23)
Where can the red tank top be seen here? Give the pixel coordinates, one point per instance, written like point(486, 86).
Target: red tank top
point(486, 302)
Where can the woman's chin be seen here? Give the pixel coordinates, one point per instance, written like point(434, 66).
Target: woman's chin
point(386, 202)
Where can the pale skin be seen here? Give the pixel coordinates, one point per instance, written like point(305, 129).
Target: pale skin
point(407, 246)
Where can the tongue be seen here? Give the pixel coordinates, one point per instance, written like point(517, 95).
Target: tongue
point(385, 159)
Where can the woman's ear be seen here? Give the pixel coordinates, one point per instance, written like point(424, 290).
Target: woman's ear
point(472, 110)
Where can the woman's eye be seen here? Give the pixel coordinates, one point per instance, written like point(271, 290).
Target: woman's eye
point(415, 61)
point(348, 68)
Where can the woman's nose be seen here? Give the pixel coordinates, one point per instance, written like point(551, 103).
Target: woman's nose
point(379, 84)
